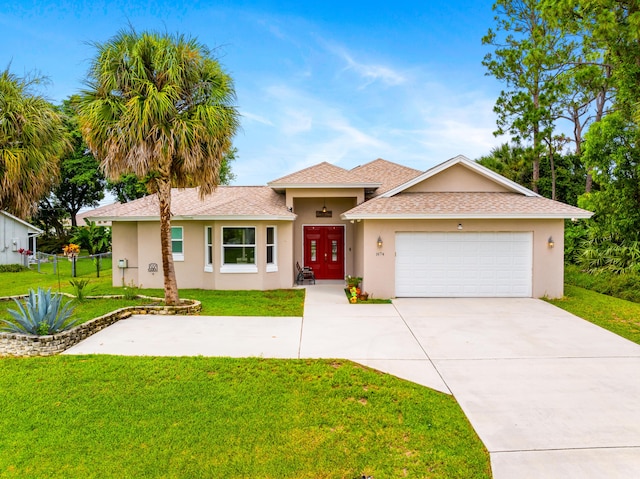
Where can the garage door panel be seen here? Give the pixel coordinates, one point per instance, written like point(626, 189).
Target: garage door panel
point(464, 264)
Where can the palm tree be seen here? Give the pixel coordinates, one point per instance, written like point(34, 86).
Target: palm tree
point(32, 140)
point(160, 106)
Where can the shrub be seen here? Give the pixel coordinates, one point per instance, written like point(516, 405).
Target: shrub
point(12, 268)
point(41, 314)
point(623, 285)
point(79, 286)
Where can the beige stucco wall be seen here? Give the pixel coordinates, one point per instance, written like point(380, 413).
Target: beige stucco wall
point(457, 178)
point(140, 244)
point(379, 263)
point(124, 246)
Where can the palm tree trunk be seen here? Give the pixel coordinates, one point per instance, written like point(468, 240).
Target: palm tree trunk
point(170, 284)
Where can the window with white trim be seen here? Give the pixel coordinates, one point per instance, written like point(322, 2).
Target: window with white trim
point(272, 257)
point(239, 250)
point(177, 243)
point(208, 249)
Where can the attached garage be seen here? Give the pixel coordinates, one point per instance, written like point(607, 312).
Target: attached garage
point(461, 264)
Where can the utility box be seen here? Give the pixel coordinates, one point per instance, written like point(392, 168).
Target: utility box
point(123, 263)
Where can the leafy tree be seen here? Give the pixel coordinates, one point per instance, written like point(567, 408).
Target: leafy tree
point(159, 105)
point(95, 239)
point(530, 56)
point(511, 161)
point(129, 187)
point(32, 140)
point(81, 181)
point(612, 151)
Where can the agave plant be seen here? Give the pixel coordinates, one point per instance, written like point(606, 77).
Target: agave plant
point(42, 313)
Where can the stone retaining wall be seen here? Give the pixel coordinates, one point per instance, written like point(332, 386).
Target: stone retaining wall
point(14, 344)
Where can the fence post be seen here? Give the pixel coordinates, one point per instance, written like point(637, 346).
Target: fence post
point(73, 267)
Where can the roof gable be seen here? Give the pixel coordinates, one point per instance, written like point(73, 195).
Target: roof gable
point(389, 174)
point(22, 222)
point(324, 175)
point(459, 174)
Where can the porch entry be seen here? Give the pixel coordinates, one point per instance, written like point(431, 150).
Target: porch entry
point(324, 251)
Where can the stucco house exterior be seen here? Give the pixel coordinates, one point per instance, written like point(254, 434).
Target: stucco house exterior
point(16, 235)
point(455, 230)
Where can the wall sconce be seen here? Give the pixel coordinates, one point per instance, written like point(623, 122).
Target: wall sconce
point(550, 242)
point(459, 226)
point(379, 242)
point(324, 208)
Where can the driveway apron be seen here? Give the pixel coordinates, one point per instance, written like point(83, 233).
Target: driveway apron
point(550, 395)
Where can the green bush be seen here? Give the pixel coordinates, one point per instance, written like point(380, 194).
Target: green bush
point(623, 286)
point(12, 268)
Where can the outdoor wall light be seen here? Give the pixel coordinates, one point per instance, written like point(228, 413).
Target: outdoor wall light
point(550, 242)
point(379, 242)
point(459, 226)
point(324, 208)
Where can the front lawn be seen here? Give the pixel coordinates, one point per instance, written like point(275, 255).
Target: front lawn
point(113, 417)
point(617, 315)
point(281, 302)
point(85, 310)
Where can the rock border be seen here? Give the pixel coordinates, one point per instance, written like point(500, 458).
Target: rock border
point(23, 345)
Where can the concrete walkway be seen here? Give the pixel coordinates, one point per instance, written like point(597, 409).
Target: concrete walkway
point(550, 395)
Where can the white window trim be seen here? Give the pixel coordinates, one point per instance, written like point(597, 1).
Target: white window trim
point(208, 266)
point(239, 267)
point(178, 256)
point(272, 267)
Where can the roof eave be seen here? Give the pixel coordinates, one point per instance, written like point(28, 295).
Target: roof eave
point(196, 218)
point(291, 186)
point(459, 216)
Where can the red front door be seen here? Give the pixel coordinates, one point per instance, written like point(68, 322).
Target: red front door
point(324, 251)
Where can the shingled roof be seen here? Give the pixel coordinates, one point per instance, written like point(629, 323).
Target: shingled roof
point(389, 174)
point(324, 175)
point(246, 202)
point(463, 205)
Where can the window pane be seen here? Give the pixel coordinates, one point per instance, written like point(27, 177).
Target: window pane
point(313, 250)
point(270, 235)
point(269, 254)
point(176, 246)
point(176, 232)
point(209, 235)
point(239, 255)
point(239, 236)
point(334, 250)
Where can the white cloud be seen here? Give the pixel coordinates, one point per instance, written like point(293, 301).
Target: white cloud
point(372, 73)
point(254, 117)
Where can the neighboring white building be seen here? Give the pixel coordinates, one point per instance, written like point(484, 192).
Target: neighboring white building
point(16, 234)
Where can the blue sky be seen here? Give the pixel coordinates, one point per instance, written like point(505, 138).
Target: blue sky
point(343, 82)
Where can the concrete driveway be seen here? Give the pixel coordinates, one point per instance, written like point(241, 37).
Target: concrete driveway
point(549, 394)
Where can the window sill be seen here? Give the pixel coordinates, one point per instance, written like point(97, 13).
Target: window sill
point(272, 268)
point(208, 268)
point(178, 256)
point(239, 268)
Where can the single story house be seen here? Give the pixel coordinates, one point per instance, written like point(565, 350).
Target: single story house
point(455, 230)
point(16, 238)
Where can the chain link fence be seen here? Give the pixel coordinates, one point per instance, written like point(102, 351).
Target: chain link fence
point(80, 265)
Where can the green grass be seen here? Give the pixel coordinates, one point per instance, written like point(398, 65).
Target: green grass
point(114, 417)
point(617, 315)
point(281, 302)
point(85, 310)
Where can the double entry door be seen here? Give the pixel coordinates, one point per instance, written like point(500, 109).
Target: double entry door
point(324, 251)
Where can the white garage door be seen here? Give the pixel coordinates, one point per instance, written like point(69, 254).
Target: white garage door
point(463, 264)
